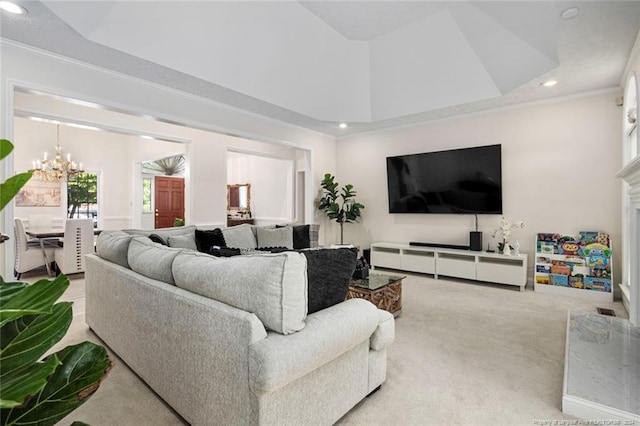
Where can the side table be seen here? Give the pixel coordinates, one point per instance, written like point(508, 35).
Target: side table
point(383, 290)
point(238, 221)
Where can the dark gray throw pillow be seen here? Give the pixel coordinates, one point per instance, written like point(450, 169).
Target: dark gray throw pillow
point(206, 239)
point(224, 251)
point(158, 239)
point(329, 272)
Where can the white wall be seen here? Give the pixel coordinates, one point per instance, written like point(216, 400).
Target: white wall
point(207, 151)
point(271, 182)
point(558, 165)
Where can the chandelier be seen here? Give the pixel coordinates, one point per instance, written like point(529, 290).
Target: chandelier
point(56, 169)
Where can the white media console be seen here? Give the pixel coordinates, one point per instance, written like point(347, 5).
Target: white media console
point(472, 265)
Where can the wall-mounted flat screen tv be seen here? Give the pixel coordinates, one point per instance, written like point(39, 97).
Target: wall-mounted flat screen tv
point(461, 181)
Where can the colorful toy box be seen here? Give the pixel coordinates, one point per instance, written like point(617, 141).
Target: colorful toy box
point(580, 261)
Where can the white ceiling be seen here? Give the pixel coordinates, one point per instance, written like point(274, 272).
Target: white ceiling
point(374, 64)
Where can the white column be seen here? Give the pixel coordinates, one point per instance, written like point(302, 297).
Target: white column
point(631, 174)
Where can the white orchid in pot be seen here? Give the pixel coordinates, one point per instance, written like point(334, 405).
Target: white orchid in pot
point(504, 230)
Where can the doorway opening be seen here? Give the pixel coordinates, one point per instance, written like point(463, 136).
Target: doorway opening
point(163, 192)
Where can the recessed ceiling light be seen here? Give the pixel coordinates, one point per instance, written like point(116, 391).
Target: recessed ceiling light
point(549, 83)
point(343, 125)
point(570, 13)
point(11, 7)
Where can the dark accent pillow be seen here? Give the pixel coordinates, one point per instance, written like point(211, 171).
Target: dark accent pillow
point(206, 239)
point(301, 238)
point(230, 251)
point(329, 273)
point(158, 239)
point(224, 251)
point(273, 249)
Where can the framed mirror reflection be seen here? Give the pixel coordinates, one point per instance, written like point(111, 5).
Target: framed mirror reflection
point(239, 199)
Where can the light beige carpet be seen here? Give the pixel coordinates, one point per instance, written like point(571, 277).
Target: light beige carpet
point(465, 353)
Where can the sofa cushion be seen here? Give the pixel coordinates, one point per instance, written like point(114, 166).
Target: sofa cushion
point(163, 232)
point(272, 286)
point(240, 236)
point(275, 237)
point(314, 232)
point(114, 246)
point(329, 272)
point(151, 259)
point(183, 241)
point(206, 239)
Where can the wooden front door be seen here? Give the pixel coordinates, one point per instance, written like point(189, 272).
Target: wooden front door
point(169, 196)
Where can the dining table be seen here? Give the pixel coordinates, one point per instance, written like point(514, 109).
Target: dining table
point(48, 236)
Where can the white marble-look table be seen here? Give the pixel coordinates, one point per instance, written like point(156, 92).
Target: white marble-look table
point(602, 368)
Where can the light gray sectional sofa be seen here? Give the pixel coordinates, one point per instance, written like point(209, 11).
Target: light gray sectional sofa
point(228, 340)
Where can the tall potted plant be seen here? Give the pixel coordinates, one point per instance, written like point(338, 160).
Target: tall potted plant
point(339, 206)
point(34, 390)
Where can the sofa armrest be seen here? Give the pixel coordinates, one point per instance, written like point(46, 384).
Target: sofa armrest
point(385, 332)
point(280, 359)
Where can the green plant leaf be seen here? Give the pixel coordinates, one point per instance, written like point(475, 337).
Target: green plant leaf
point(11, 187)
point(25, 381)
point(22, 342)
point(25, 340)
point(82, 368)
point(5, 148)
point(348, 192)
point(8, 290)
point(36, 298)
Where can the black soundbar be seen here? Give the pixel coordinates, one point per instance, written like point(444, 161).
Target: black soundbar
point(449, 246)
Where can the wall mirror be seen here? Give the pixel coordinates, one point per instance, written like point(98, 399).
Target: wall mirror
point(239, 197)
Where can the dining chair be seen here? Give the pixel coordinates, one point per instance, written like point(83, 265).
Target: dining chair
point(77, 242)
point(29, 256)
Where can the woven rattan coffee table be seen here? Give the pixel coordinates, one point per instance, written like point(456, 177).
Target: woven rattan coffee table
point(383, 290)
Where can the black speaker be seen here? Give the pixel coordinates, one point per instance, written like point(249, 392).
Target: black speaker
point(475, 241)
point(366, 253)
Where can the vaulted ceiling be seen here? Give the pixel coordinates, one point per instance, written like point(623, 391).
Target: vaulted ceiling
point(372, 64)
